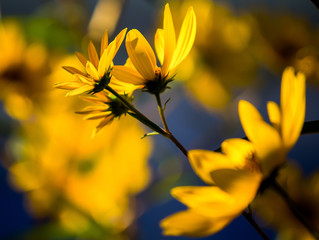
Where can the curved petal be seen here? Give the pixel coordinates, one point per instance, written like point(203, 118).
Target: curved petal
point(204, 162)
point(238, 151)
point(159, 45)
point(185, 40)
point(169, 39)
point(91, 70)
point(141, 54)
point(210, 201)
point(126, 74)
point(119, 39)
point(242, 184)
point(266, 138)
point(274, 114)
point(293, 106)
point(190, 223)
point(106, 59)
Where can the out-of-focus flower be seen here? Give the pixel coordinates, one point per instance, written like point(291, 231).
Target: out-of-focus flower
point(98, 72)
point(21, 77)
point(237, 174)
point(219, 62)
point(76, 180)
point(287, 121)
point(170, 53)
point(304, 192)
point(235, 177)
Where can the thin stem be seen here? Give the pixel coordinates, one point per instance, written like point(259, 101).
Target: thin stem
point(294, 209)
point(310, 127)
point(161, 111)
point(255, 225)
point(170, 135)
point(137, 114)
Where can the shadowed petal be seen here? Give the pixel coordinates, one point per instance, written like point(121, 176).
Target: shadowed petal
point(126, 74)
point(94, 59)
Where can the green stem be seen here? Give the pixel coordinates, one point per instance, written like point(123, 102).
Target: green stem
point(170, 135)
point(294, 209)
point(253, 223)
point(137, 114)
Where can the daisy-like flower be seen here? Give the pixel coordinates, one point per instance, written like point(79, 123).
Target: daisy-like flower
point(106, 109)
point(98, 71)
point(242, 169)
point(170, 52)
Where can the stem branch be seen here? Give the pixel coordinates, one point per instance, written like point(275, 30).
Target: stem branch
point(253, 223)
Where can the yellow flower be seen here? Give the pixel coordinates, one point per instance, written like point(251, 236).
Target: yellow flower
point(107, 108)
point(98, 72)
point(274, 141)
point(170, 53)
point(235, 176)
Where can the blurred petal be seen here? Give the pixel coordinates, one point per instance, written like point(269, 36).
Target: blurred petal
point(141, 54)
point(81, 58)
point(68, 85)
point(292, 106)
point(190, 223)
point(204, 162)
point(210, 201)
point(73, 70)
point(97, 115)
point(274, 114)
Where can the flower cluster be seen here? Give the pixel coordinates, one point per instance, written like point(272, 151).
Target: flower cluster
point(112, 86)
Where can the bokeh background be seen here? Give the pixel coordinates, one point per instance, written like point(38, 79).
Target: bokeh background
point(56, 182)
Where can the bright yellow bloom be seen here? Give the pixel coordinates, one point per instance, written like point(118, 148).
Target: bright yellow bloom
point(237, 174)
point(98, 71)
point(272, 142)
point(170, 53)
point(236, 177)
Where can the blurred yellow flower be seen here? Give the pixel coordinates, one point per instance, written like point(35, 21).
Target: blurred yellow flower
point(21, 78)
point(273, 142)
point(170, 53)
point(73, 179)
point(236, 175)
point(98, 72)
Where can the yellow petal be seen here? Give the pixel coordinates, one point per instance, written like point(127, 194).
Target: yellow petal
point(104, 42)
point(126, 74)
point(90, 109)
point(141, 54)
point(85, 79)
point(68, 85)
point(73, 70)
point(204, 162)
point(293, 106)
point(106, 59)
point(97, 115)
point(159, 44)
point(119, 39)
point(242, 184)
point(190, 223)
point(123, 87)
point(81, 58)
point(93, 57)
point(78, 91)
point(266, 138)
point(91, 70)
point(274, 114)
point(102, 124)
point(185, 39)
point(238, 151)
point(209, 201)
point(169, 39)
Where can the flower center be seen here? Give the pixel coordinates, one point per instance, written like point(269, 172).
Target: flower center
point(251, 162)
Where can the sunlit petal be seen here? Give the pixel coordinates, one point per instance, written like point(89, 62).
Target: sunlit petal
point(141, 54)
point(169, 39)
point(274, 114)
point(78, 91)
point(190, 223)
point(185, 39)
point(104, 42)
point(91, 70)
point(159, 44)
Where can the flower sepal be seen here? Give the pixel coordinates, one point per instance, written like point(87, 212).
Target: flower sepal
point(158, 85)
